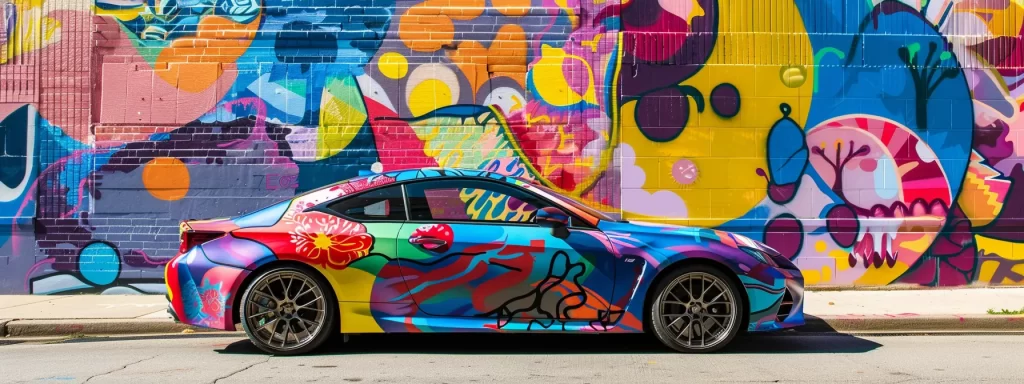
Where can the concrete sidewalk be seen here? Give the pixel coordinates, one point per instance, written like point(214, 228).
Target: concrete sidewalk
point(898, 311)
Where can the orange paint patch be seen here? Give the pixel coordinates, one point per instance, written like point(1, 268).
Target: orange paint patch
point(457, 9)
point(509, 47)
point(512, 7)
point(166, 178)
point(218, 41)
point(422, 29)
point(507, 51)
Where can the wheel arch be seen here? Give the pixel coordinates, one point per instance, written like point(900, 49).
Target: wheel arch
point(694, 261)
point(236, 308)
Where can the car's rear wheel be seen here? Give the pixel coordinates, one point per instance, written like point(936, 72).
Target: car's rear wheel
point(697, 310)
point(288, 311)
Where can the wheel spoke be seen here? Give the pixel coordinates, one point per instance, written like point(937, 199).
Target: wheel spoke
point(705, 290)
point(313, 323)
point(687, 328)
point(669, 325)
point(261, 313)
point(273, 330)
point(301, 287)
point(670, 293)
point(302, 322)
point(267, 295)
point(715, 300)
point(284, 292)
point(703, 332)
point(287, 328)
point(707, 327)
point(315, 299)
point(289, 288)
point(716, 321)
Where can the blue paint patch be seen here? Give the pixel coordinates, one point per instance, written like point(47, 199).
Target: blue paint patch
point(99, 263)
point(162, 136)
point(787, 151)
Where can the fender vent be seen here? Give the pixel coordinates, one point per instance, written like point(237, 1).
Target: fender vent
point(786, 307)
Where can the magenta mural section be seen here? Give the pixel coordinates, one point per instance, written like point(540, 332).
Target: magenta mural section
point(871, 142)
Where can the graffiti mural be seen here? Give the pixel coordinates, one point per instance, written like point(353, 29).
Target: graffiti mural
point(872, 143)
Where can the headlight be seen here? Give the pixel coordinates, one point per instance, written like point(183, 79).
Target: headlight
point(760, 256)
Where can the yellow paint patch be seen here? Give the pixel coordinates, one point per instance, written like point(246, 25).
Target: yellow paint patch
point(393, 65)
point(352, 287)
point(770, 62)
point(339, 124)
point(357, 318)
point(122, 14)
point(1005, 249)
point(978, 197)
point(428, 95)
point(811, 276)
point(351, 284)
point(882, 276)
point(548, 79)
point(32, 31)
point(919, 245)
point(842, 259)
point(987, 270)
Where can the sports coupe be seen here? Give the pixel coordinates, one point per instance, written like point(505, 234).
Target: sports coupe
point(455, 250)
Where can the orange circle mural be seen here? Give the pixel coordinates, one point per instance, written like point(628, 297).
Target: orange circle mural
point(166, 178)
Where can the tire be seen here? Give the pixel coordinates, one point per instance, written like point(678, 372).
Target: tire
point(289, 311)
point(678, 314)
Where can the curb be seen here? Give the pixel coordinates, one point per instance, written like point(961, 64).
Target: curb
point(24, 328)
point(910, 323)
point(850, 324)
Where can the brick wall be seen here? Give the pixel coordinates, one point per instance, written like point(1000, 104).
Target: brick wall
point(872, 144)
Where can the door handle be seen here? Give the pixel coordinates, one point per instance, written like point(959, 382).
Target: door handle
point(429, 243)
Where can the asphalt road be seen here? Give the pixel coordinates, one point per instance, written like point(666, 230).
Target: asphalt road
point(228, 358)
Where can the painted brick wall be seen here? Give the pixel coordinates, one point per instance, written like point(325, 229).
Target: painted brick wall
point(873, 142)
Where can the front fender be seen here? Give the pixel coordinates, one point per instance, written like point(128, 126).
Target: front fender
point(666, 248)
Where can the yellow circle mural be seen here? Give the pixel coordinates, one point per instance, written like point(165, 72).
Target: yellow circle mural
point(393, 65)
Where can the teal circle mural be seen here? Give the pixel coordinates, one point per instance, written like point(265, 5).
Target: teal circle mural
point(99, 263)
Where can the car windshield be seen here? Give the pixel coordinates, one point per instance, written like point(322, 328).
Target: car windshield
point(574, 203)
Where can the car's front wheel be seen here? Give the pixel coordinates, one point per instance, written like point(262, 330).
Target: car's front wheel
point(288, 311)
point(696, 309)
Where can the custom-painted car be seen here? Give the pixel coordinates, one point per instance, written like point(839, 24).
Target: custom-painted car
point(452, 250)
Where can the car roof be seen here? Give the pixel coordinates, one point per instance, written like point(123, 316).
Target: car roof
point(364, 182)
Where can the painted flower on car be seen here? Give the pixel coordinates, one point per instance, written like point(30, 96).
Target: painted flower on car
point(329, 241)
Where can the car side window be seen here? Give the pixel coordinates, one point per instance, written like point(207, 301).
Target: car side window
point(470, 200)
point(379, 204)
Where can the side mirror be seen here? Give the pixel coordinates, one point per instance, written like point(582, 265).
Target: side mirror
point(551, 217)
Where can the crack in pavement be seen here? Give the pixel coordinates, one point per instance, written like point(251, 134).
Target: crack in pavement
point(215, 381)
point(119, 369)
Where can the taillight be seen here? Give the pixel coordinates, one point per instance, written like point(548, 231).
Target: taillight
point(191, 239)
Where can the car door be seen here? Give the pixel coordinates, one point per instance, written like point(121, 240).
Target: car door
point(471, 249)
